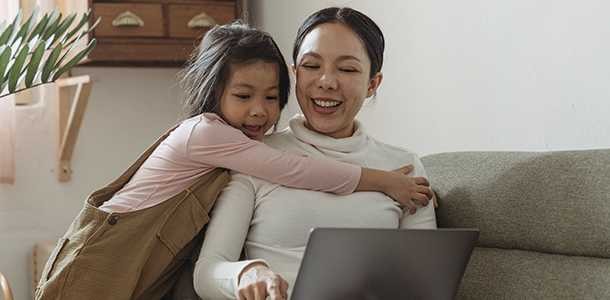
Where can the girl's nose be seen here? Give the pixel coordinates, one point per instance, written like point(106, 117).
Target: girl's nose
point(258, 108)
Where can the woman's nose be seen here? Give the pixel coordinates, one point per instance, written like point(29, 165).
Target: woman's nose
point(327, 81)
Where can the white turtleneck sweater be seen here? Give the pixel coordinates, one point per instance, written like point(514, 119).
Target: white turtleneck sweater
point(271, 222)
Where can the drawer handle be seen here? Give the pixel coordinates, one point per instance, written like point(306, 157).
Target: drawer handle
point(127, 19)
point(201, 21)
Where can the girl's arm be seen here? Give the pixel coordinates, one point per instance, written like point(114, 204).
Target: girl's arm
point(215, 143)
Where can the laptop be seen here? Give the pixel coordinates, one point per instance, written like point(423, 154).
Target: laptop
point(383, 264)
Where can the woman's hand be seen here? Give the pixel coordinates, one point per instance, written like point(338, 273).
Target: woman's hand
point(398, 186)
point(257, 281)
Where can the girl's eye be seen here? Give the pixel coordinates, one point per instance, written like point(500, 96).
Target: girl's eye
point(272, 98)
point(347, 70)
point(242, 96)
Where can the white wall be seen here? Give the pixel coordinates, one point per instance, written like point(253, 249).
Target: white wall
point(459, 75)
point(479, 75)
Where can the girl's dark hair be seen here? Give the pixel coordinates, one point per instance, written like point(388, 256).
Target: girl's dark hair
point(207, 70)
point(362, 25)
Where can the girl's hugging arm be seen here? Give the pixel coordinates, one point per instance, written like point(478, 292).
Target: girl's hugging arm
point(221, 145)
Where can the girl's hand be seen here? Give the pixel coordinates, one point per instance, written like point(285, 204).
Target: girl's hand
point(398, 186)
point(406, 189)
point(257, 281)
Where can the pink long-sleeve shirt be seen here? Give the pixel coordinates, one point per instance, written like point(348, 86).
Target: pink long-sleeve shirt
point(205, 142)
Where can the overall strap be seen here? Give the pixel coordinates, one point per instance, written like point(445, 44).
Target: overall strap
point(101, 195)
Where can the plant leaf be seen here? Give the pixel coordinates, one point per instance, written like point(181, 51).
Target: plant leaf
point(70, 50)
point(85, 32)
point(5, 56)
point(51, 28)
point(50, 63)
point(2, 26)
point(33, 65)
point(49, 42)
point(78, 57)
point(20, 79)
point(64, 37)
point(64, 25)
point(40, 27)
point(32, 43)
point(6, 35)
point(15, 71)
point(29, 24)
point(94, 25)
point(15, 47)
point(15, 24)
point(52, 16)
point(23, 30)
point(84, 19)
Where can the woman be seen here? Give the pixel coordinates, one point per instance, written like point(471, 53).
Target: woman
point(338, 54)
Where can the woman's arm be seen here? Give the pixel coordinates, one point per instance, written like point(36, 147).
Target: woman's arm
point(218, 267)
point(219, 274)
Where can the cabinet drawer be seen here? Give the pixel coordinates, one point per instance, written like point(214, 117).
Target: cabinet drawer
point(188, 20)
point(125, 25)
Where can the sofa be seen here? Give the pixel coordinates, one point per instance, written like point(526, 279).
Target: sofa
point(544, 221)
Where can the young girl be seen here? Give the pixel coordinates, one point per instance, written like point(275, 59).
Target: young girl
point(133, 235)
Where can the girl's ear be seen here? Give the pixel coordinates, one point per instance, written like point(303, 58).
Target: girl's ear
point(374, 84)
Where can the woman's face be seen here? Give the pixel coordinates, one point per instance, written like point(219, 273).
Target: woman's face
point(332, 79)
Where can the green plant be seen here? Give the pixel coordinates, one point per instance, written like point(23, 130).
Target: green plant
point(23, 49)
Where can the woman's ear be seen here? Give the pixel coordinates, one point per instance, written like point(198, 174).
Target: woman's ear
point(374, 84)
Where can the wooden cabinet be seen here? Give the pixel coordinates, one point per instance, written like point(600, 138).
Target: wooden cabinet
point(154, 32)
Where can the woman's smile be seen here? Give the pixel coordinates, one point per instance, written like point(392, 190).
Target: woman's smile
point(325, 105)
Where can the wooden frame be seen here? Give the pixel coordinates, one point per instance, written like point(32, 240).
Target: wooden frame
point(70, 118)
point(6, 288)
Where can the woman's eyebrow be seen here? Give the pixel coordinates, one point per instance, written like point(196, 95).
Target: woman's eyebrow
point(340, 58)
point(314, 54)
point(348, 57)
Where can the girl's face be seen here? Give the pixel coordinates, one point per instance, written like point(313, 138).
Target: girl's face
point(250, 101)
point(332, 79)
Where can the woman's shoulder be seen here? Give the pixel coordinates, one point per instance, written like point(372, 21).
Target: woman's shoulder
point(279, 139)
point(399, 150)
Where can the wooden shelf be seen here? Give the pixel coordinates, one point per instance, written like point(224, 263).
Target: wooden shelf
point(160, 35)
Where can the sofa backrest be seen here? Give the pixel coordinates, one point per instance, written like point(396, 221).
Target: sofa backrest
point(527, 204)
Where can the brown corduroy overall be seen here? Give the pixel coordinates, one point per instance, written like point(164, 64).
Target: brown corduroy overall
point(131, 255)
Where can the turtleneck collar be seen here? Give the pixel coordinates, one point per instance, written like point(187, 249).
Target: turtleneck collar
point(323, 142)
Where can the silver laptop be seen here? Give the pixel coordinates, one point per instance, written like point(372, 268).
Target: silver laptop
point(383, 264)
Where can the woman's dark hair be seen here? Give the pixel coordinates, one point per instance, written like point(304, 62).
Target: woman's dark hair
point(207, 70)
point(362, 25)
